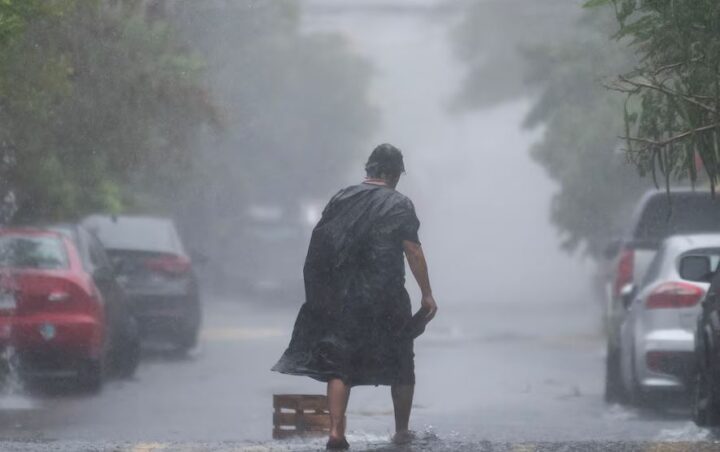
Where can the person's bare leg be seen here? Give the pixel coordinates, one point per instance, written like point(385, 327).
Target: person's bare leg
point(338, 394)
point(402, 396)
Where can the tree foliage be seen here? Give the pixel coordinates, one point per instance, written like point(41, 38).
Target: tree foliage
point(295, 108)
point(95, 102)
point(495, 57)
point(579, 148)
point(672, 109)
point(561, 74)
point(16, 14)
point(296, 103)
point(197, 109)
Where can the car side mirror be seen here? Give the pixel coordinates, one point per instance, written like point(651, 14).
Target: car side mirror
point(627, 293)
point(696, 268)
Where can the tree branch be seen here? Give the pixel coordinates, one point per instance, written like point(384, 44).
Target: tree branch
point(673, 139)
point(667, 68)
point(668, 92)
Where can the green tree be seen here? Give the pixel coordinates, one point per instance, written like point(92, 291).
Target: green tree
point(96, 104)
point(672, 109)
point(16, 14)
point(295, 108)
point(562, 74)
point(580, 146)
point(295, 103)
point(495, 57)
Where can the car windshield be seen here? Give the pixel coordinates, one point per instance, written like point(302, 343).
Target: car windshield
point(137, 234)
point(682, 214)
point(19, 251)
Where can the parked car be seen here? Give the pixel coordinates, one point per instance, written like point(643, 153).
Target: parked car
point(706, 378)
point(657, 216)
point(657, 337)
point(156, 272)
point(262, 255)
point(61, 307)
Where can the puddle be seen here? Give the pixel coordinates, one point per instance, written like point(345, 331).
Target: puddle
point(16, 402)
point(687, 432)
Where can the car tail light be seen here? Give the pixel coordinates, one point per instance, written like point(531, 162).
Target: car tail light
point(674, 295)
point(624, 273)
point(172, 265)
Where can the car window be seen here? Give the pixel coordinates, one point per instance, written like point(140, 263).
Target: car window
point(712, 253)
point(35, 252)
point(684, 213)
point(72, 234)
point(96, 252)
point(142, 234)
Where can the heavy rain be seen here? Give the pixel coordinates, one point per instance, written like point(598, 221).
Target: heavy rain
point(280, 225)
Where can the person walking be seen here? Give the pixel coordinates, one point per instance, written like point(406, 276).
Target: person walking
point(356, 326)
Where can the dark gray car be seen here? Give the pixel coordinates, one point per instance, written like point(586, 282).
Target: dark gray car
point(156, 272)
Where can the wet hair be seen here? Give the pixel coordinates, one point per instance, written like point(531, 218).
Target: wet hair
point(385, 159)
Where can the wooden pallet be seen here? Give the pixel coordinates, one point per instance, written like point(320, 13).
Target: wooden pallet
point(300, 415)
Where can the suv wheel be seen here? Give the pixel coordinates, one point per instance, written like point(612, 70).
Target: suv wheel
point(705, 409)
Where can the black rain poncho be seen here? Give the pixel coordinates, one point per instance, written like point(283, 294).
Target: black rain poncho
point(350, 326)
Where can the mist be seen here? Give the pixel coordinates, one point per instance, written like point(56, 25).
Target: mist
point(169, 278)
point(483, 203)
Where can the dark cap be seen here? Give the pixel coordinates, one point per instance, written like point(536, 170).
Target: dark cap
point(385, 158)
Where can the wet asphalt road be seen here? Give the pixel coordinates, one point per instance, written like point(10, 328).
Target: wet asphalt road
point(490, 377)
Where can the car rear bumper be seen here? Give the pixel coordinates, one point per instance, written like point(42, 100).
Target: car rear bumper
point(667, 359)
point(52, 345)
point(72, 332)
point(165, 315)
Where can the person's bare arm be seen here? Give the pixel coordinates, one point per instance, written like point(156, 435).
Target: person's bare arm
point(418, 266)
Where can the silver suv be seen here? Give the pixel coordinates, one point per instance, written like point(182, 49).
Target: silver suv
point(657, 337)
point(657, 217)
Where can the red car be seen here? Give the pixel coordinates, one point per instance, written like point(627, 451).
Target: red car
point(61, 308)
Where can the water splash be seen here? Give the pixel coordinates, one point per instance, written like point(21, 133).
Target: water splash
point(12, 389)
point(687, 432)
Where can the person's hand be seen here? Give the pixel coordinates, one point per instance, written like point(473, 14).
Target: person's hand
point(428, 302)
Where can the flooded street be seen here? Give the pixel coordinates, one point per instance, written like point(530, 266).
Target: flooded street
point(535, 378)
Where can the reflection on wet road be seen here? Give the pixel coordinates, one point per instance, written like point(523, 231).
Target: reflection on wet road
point(490, 377)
